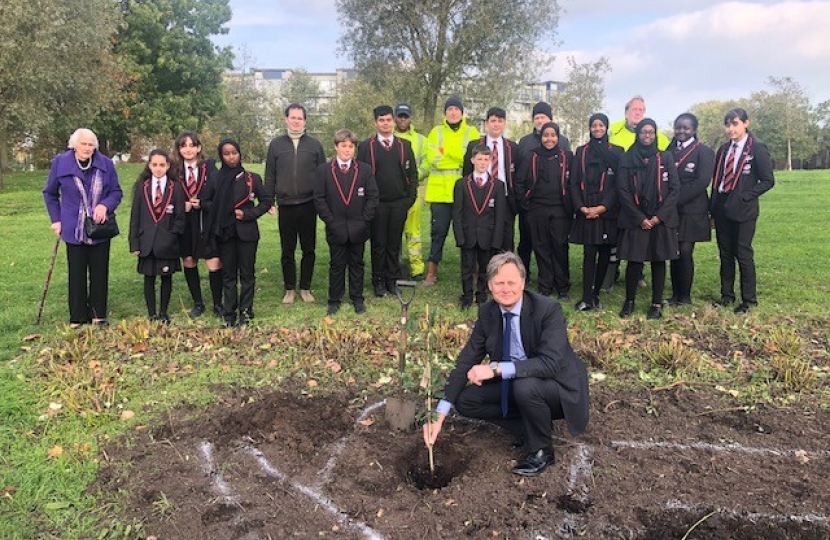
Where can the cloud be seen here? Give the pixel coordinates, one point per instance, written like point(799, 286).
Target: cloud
point(282, 14)
point(724, 50)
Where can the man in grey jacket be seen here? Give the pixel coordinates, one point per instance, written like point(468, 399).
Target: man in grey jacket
point(290, 167)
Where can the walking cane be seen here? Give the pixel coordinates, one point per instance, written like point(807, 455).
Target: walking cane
point(48, 280)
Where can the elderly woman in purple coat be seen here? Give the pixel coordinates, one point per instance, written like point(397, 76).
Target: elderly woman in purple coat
point(82, 182)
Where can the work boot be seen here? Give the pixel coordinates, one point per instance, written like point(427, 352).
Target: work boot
point(432, 274)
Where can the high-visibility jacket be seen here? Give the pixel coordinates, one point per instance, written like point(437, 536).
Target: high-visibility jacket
point(620, 135)
point(445, 152)
point(419, 148)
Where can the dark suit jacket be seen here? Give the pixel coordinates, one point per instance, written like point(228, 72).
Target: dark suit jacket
point(512, 165)
point(346, 222)
point(407, 166)
point(756, 177)
point(549, 355)
point(148, 237)
point(471, 227)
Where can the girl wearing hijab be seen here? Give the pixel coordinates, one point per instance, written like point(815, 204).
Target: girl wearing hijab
point(594, 196)
point(649, 189)
point(695, 163)
point(234, 199)
point(544, 193)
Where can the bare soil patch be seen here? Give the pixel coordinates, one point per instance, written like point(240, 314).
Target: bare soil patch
point(652, 466)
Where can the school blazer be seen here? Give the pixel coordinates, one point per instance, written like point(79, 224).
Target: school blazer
point(348, 211)
point(483, 225)
point(549, 355)
point(512, 166)
point(631, 215)
point(607, 196)
point(222, 197)
point(695, 166)
point(755, 178)
point(162, 238)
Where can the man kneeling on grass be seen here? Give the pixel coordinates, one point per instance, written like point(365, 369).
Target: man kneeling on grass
point(533, 378)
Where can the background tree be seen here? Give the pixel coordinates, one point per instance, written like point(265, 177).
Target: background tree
point(584, 95)
point(782, 120)
point(301, 88)
point(248, 116)
point(711, 131)
point(821, 126)
point(447, 45)
point(51, 74)
point(174, 70)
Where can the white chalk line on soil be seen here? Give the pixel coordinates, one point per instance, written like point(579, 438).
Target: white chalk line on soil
point(325, 472)
point(314, 494)
point(752, 516)
point(579, 472)
point(216, 479)
point(734, 447)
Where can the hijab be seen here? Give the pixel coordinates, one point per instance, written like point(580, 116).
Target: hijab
point(226, 172)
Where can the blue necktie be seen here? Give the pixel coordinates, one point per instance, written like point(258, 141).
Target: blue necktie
point(505, 357)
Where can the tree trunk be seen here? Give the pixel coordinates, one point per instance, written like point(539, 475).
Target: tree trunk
point(789, 154)
point(4, 156)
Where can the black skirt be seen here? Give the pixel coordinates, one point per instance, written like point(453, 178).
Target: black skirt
point(192, 240)
point(694, 228)
point(151, 266)
point(657, 244)
point(593, 232)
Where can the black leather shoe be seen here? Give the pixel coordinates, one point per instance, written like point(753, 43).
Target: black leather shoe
point(380, 290)
point(725, 301)
point(563, 295)
point(654, 312)
point(465, 304)
point(219, 311)
point(333, 309)
point(359, 308)
point(245, 317)
point(627, 309)
point(584, 306)
point(392, 288)
point(197, 311)
point(163, 318)
point(534, 463)
point(744, 307)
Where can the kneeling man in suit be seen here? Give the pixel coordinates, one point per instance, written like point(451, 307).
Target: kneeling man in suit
point(533, 377)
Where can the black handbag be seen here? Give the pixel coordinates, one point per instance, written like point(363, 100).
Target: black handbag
point(101, 231)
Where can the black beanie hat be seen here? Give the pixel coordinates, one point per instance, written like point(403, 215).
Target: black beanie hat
point(542, 107)
point(453, 101)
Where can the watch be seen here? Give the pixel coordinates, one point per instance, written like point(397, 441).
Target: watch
point(495, 367)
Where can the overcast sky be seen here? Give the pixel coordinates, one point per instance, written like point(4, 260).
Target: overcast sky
point(673, 53)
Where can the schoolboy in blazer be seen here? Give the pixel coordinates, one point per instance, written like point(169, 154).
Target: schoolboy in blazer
point(743, 172)
point(505, 167)
point(396, 174)
point(346, 198)
point(478, 212)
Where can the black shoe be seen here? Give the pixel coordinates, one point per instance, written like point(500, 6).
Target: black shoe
point(100, 322)
point(380, 290)
point(465, 304)
point(596, 303)
point(229, 322)
point(219, 311)
point(725, 301)
point(197, 311)
point(163, 318)
point(333, 309)
point(627, 309)
point(563, 295)
point(392, 288)
point(359, 308)
point(678, 301)
point(534, 463)
point(744, 307)
point(584, 306)
point(245, 317)
point(654, 312)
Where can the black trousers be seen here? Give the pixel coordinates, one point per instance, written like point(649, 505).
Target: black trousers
point(735, 244)
point(470, 259)
point(343, 255)
point(549, 236)
point(683, 272)
point(387, 234)
point(297, 221)
point(440, 220)
point(509, 230)
point(525, 247)
point(595, 259)
point(88, 283)
point(238, 264)
point(533, 405)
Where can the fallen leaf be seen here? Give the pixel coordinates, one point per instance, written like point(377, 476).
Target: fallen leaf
point(57, 505)
point(367, 421)
point(55, 451)
point(55, 406)
point(127, 414)
point(334, 366)
point(801, 457)
point(380, 513)
point(312, 383)
point(598, 377)
point(31, 337)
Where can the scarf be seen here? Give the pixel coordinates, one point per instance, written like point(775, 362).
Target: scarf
point(642, 163)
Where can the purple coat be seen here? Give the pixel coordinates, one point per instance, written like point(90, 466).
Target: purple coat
point(63, 199)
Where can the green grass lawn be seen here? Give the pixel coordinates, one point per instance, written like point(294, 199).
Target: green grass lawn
point(68, 390)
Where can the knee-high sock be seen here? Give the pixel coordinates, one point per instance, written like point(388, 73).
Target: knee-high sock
point(191, 275)
point(166, 291)
point(150, 294)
